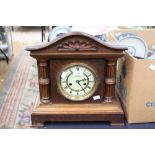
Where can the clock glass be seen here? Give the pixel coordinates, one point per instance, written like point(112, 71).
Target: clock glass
point(77, 82)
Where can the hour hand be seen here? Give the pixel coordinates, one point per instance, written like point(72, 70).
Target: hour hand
point(78, 81)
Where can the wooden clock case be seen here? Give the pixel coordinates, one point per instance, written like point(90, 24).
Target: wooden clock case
point(77, 48)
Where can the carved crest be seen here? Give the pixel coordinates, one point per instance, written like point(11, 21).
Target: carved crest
point(77, 45)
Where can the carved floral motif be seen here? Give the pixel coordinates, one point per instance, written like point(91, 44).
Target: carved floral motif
point(77, 45)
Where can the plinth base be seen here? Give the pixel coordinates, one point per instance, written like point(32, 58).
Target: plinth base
point(111, 112)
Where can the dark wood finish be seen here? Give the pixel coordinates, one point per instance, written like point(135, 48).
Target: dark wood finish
point(57, 66)
point(77, 48)
point(110, 80)
point(77, 45)
point(112, 113)
point(44, 81)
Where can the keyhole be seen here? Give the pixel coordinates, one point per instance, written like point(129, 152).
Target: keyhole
point(84, 84)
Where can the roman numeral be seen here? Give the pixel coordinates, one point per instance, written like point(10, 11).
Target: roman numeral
point(65, 87)
point(89, 87)
point(84, 91)
point(91, 81)
point(77, 68)
point(71, 71)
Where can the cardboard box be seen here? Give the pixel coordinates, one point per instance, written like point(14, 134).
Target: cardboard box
point(146, 34)
point(136, 88)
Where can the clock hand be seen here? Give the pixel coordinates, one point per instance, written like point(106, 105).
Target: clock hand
point(83, 79)
point(78, 81)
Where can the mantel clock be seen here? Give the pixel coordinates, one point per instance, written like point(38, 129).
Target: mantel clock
point(76, 74)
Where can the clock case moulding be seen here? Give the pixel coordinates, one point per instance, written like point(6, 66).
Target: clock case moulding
point(74, 48)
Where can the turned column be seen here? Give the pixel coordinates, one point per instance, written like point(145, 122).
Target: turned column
point(44, 81)
point(110, 80)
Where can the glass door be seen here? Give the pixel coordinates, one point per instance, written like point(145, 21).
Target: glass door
point(6, 42)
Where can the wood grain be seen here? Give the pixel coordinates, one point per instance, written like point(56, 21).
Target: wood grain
point(112, 113)
point(77, 48)
point(57, 66)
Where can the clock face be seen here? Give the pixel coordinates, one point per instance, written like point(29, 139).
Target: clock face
point(77, 82)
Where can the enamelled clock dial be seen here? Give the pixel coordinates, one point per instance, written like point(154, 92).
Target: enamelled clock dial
point(77, 82)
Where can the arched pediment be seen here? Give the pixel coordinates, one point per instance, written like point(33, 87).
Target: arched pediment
point(76, 43)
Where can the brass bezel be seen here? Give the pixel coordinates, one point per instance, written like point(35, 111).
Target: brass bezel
point(80, 98)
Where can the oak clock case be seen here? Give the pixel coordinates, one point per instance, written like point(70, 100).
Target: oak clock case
point(76, 74)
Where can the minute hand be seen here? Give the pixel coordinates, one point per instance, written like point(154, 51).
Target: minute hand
point(81, 80)
point(78, 81)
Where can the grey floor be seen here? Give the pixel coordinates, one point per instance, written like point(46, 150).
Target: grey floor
point(97, 125)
